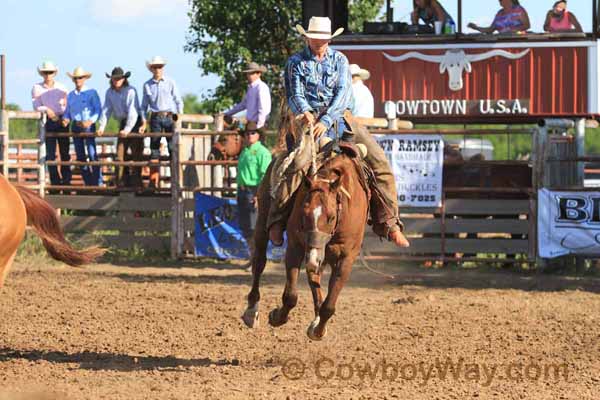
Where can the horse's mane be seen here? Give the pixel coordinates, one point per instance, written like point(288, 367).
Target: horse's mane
point(288, 124)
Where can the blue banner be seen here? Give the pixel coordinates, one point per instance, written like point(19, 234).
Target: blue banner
point(218, 234)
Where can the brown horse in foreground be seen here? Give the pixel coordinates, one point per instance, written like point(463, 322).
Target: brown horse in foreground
point(326, 226)
point(20, 207)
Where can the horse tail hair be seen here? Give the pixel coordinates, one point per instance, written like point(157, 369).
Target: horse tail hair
point(42, 217)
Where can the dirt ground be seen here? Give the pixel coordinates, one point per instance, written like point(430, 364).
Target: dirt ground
point(139, 332)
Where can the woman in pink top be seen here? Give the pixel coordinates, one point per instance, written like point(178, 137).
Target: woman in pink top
point(560, 20)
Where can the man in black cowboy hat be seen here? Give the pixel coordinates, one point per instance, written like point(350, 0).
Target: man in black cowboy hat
point(257, 101)
point(121, 101)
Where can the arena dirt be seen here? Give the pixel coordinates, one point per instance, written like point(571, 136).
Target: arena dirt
point(122, 332)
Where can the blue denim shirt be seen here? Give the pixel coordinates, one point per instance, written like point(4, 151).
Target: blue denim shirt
point(313, 85)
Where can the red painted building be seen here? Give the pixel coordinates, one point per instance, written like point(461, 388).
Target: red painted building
point(473, 77)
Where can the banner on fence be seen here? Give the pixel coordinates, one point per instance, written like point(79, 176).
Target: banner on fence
point(218, 233)
point(417, 162)
point(568, 223)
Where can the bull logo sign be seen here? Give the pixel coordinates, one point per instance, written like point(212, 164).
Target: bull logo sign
point(456, 61)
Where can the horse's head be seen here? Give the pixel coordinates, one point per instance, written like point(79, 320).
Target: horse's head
point(321, 213)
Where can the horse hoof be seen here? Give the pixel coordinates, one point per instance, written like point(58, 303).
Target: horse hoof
point(310, 332)
point(274, 319)
point(250, 317)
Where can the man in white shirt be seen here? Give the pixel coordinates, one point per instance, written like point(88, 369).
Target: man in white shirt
point(364, 105)
point(257, 101)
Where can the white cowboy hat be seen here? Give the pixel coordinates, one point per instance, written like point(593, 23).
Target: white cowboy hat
point(79, 73)
point(319, 28)
point(361, 72)
point(47, 66)
point(156, 60)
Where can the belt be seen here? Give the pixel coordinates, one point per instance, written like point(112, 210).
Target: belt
point(244, 187)
point(162, 114)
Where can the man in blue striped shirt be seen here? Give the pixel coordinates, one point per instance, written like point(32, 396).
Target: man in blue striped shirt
point(162, 100)
point(319, 89)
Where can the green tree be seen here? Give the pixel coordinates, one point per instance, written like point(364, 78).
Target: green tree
point(21, 128)
point(227, 37)
point(362, 10)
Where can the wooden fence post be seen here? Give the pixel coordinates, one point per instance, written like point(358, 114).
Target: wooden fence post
point(176, 195)
point(217, 171)
point(4, 139)
point(540, 139)
point(42, 155)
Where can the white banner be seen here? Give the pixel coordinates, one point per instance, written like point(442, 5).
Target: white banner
point(417, 162)
point(568, 223)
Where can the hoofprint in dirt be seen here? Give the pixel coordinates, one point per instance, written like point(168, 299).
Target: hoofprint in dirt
point(117, 332)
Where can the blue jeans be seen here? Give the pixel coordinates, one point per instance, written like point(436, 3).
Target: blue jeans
point(86, 151)
point(247, 210)
point(160, 124)
point(63, 148)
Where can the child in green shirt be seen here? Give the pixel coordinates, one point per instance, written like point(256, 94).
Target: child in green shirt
point(252, 165)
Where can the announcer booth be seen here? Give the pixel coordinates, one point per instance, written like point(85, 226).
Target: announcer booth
point(537, 85)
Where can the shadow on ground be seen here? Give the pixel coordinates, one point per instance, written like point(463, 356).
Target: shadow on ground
point(94, 361)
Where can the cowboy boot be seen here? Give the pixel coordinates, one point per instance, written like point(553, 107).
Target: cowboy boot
point(398, 238)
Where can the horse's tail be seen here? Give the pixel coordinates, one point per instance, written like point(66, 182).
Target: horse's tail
point(42, 218)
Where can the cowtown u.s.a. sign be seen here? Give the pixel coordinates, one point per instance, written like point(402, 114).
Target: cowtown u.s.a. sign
point(454, 107)
point(455, 63)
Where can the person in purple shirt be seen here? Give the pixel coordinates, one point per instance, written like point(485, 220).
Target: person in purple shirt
point(82, 112)
point(512, 18)
point(257, 101)
point(50, 97)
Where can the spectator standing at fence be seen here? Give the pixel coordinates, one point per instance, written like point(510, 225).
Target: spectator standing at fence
point(364, 105)
point(162, 100)
point(82, 112)
point(121, 101)
point(50, 97)
point(256, 101)
point(252, 166)
point(560, 20)
point(512, 18)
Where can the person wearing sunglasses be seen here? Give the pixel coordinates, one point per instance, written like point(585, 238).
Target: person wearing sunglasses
point(161, 99)
point(512, 18)
point(560, 20)
point(252, 166)
point(82, 112)
point(50, 97)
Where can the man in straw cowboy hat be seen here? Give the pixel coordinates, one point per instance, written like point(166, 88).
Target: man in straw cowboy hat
point(82, 112)
point(122, 102)
point(318, 89)
point(162, 100)
point(364, 105)
point(50, 97)
point(257, 101)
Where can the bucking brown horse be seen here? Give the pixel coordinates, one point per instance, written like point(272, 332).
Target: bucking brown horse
point(326, 227)
point(20, 207)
